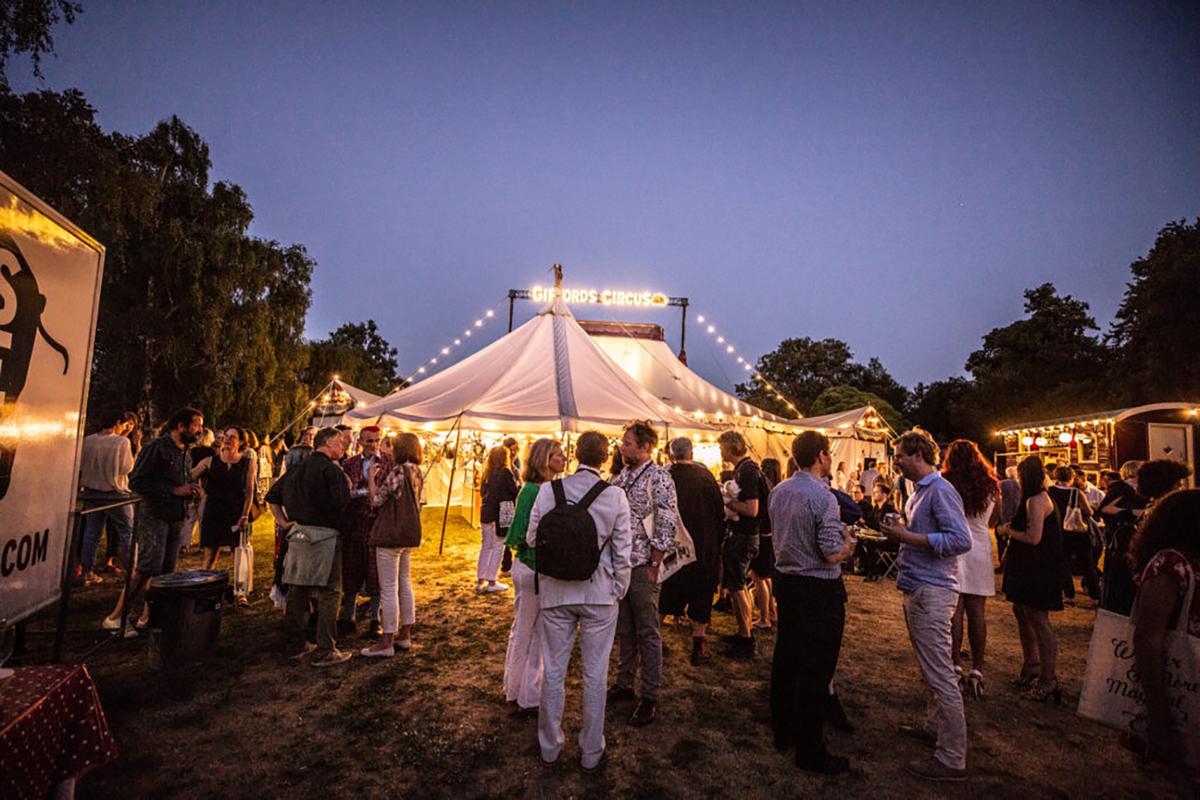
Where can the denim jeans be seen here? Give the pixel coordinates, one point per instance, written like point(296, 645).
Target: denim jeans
point(119, 519)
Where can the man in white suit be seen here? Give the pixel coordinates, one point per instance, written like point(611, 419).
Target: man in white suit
point(587, 606)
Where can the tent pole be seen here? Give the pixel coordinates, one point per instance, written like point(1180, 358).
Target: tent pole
point(450, 488)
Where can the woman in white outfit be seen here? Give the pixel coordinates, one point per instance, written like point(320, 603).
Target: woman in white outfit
point(497, 489)
point(970, 473)
point(523, 663)
point(395, 586)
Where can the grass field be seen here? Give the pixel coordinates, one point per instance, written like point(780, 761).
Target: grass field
point(433, 723)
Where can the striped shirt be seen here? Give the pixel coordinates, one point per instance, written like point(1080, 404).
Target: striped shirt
point(807, 528)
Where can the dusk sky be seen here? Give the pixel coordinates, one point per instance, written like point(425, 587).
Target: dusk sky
point(890, 174)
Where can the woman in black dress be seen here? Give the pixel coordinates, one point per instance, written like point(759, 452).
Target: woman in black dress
point(1033, 580)
point(228, 479)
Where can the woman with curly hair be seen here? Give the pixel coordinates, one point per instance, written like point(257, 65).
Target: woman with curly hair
point(970, 473)
point(1165, 552)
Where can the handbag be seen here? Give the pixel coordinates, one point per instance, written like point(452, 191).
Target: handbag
point(243, 566)
point(508, 510)
point(398, 521)
point(1112, 692)
point(684, 552)
point(1074, 521)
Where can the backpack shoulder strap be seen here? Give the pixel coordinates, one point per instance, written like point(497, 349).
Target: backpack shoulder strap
point(597, 489)
point(560, 497)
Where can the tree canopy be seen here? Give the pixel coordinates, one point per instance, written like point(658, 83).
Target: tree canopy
point(193, 310)
point(1156, 330)
point(358, 354)
point(25, 28)
point(1049, 363)
point(802, 368)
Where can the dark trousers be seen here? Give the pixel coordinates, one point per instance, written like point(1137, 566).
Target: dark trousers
point(1077, 548)
point(812, 616)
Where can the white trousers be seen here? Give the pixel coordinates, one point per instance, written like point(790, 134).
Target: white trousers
point(523, 662)
point(927, 612)
point(395, 588)
point(491, 553)
point(597, 625)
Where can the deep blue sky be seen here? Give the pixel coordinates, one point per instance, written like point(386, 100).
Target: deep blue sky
point(891, 174)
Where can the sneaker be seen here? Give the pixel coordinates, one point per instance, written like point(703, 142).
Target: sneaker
point(496, 586)
point(332, 658)
point(372, 652)
point(644, 714)
point(278, 598)
point(403, 644)
point(620, 694)
point(110, 624)
point(933, 770)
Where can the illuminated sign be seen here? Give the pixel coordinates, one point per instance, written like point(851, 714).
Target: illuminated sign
point(607, 297)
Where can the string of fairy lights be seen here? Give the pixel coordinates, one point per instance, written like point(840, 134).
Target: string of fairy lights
point(443, 354)
point(731, 351)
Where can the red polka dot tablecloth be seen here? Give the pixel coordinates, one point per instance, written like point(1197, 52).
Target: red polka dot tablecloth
point(52, 728)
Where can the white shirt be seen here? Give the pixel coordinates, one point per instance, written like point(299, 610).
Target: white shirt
point(105, 463)
point(610, 511)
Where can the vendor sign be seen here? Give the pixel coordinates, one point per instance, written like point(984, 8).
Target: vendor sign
point(49, 290)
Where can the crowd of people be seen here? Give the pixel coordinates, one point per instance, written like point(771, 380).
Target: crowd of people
point(587, 554)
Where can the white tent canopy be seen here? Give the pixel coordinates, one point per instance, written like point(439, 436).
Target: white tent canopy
point(853, 434)
point(547, 376)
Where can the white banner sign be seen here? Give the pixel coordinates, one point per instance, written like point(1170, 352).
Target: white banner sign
point(49, 289)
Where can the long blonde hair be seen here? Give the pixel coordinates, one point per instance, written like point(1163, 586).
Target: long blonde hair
point(538, 460)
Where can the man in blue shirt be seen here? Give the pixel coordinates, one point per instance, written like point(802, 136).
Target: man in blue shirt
point(810, 546)
point(935, 536)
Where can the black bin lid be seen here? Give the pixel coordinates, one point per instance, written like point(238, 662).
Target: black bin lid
point(190, 580)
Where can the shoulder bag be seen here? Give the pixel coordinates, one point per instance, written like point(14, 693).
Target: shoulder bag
point(398, 521)
point(1074, 521)
point(1112, 691)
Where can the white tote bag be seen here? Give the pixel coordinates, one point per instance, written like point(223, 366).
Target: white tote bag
point(685, 548)
point(1112, 692)
point(243, 566)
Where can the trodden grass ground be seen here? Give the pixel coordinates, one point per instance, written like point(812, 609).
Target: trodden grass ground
point(433, 723)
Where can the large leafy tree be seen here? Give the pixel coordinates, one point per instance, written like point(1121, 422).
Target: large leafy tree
point(802, 368)
point(1155, 328)
point(193, 309)
point(952, 409)
point(25, 28)
point(1044, 365)
point(358, 354)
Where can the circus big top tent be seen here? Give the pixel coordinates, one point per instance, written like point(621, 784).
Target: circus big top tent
point(854, 435)
point(547, 377)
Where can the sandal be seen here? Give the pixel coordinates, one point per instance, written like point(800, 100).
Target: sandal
point(974, 685)
point(1029, 674)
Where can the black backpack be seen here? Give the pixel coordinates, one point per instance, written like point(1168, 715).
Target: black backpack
point(566, 537)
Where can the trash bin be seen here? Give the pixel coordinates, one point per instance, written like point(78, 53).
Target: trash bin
point(185, 617)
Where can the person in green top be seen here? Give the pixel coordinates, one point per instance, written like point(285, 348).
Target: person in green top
point(523, 662)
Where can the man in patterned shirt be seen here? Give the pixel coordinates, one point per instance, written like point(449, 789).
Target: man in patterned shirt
point(653, 512)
